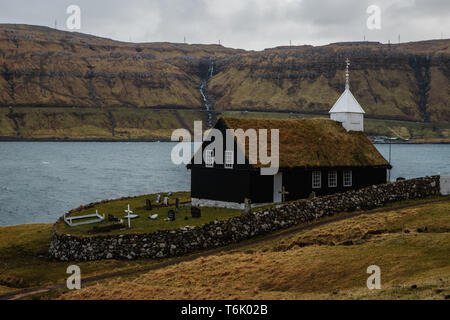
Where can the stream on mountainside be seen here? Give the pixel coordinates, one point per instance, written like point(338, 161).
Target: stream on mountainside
point(207, 103)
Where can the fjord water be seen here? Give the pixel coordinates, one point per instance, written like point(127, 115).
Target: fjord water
point(39, 181)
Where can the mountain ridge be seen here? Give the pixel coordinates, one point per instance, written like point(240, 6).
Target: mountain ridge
point(42, 67)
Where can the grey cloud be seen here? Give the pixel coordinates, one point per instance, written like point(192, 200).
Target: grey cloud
point(248, 24)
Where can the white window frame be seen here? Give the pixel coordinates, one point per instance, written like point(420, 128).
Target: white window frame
point(347, 180)
point(316, 178)
point(209, 159)
point(229, 159)
point(332, 179)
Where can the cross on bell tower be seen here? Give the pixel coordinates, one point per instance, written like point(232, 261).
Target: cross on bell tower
point(347, 84)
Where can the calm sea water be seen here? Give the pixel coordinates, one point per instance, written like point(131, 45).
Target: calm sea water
point(39, 181)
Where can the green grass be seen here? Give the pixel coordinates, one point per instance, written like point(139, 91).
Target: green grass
point(147, 124)
point(24, 262)
point(142, 224)
point(95, 123)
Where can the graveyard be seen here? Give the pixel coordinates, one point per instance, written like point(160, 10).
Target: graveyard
point(326, 262)
point(147, 220)
point(26, 263)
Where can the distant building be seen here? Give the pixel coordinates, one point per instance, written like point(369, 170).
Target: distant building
point(316, 156)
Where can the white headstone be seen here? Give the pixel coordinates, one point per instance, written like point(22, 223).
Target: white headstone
point(129, 212)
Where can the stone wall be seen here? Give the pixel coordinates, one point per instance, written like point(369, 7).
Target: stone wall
point(219, 233)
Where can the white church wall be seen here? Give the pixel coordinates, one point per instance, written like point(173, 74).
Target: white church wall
point(350, 121)
point(445, 185)
point(196, 202)
point(277, 187)
point(216, 204)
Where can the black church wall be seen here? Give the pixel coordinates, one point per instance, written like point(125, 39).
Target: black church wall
point(261, 188)
point(298, 182)
point(220, 184)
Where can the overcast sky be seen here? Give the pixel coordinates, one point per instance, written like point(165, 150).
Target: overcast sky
point(247, 24)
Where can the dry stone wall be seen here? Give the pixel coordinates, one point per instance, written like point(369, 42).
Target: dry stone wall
point(220, 233)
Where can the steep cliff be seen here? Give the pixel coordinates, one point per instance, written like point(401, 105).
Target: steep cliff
point(42, 67)
point(409, 82)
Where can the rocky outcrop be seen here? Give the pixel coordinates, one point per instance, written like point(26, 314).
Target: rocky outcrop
point(220, 233)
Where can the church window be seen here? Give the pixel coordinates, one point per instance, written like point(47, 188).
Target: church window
point(332, 179)
point(316, 179)
point(209, 159)
point(229, 159)
point(347, 178)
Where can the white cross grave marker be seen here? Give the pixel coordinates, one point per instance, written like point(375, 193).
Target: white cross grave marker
point(129, 212)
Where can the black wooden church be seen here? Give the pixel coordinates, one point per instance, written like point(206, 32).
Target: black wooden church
point(323, 156)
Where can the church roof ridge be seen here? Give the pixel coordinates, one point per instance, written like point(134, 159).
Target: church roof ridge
point(317, 142)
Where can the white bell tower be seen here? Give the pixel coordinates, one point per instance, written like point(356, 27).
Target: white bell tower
point(346, 109)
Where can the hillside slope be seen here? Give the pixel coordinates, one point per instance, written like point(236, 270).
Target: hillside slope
point(328, 262)
point(407, 81)
point(43, 67)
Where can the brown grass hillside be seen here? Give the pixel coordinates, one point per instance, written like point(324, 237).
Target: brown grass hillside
point(329, 262)
point(40, 66)
point(406, 81)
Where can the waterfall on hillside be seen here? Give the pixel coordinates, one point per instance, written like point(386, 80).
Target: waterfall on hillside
point(207, 104)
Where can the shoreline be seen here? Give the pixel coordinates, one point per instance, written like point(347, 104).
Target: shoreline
point(14, 139)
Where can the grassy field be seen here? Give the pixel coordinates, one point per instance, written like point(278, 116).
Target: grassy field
point(419, 258)
point(24, 262)
point(94, 123)
point(142, 223)
point(410, 246)
point(146, 124)
point(422, 132)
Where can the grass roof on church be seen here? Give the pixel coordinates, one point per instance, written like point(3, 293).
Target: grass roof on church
point(313, 142)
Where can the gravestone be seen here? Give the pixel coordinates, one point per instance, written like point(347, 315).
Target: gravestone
point(177, 204)
point(148, 204)
point(153, 216)
point(171, 215)
point(247, 205)
point(158, 198)
point(196, 212)
point(112, 218)
point(166, 201)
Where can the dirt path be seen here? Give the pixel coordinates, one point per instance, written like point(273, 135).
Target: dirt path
point(293, 230)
